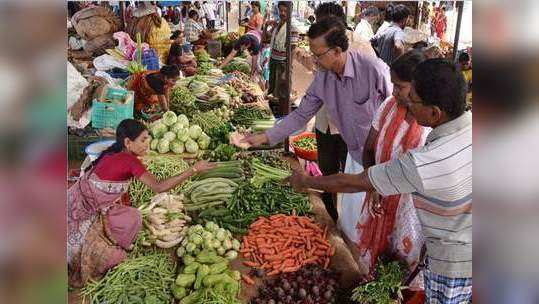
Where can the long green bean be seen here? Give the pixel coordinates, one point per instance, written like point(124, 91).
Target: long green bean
point(142, 277)
point(162, 166)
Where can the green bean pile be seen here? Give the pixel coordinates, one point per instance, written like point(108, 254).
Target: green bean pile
point(249, 203)
point(144, 279)
point(163, 167)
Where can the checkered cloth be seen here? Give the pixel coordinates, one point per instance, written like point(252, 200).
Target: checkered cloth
point(444, 290)
point(192, 30)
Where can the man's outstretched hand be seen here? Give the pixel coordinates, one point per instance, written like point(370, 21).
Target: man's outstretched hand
point(298, 181)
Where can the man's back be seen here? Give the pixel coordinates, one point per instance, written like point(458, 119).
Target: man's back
point(386, 43)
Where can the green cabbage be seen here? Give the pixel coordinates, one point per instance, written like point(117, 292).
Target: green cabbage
point(191, 146)
point(177, 146)
point(169, 118)
point(153, 144)
point(170, 136)
point(182, 135)
point(163, 146)
point(204, 141)
point(177, 126)
point(195, 131)
point(158, 130)
point(183, 120)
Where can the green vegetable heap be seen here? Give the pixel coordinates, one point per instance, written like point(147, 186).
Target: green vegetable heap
point(249, 203)
point(385, 289)
point(206, 254)
point(246, 115)
point(174, 134)
point(143, 279)
point(182, 101)
point(162, 166)
point(306, 143)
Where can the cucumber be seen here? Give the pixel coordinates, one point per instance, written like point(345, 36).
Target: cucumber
point(214, 212)
point(203, 206)
point(217, 197)
point(211, 190)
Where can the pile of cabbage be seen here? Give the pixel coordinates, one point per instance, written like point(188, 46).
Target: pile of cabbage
point(172, 133)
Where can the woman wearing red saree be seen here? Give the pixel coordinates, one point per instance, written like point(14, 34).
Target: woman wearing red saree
point(152, 88)
point(100, 228)
point(394, 131)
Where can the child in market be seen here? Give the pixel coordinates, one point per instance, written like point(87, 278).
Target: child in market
point(264, 58)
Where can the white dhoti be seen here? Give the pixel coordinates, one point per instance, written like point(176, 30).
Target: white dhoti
point(350, 204)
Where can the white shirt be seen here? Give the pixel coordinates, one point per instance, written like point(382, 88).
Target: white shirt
point(382, 28)
point(209, 11)
point(323, 122)
point(363, 31)
point(159, 11)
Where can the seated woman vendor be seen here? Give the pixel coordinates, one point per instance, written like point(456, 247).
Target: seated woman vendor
point(252, 43)
point(152, 88)
point(185, 62)
point(100, 228)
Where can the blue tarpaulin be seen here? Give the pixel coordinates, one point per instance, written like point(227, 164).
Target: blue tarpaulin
point(170, 3)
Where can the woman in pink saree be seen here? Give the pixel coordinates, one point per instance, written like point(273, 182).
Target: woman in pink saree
point(100, 228)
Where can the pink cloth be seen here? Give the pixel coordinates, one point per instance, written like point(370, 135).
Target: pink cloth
point(90, 196)
point(127, 46)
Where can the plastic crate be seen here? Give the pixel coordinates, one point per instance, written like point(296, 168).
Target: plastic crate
point(150, 59)
point(109, 115)
point(118, 73)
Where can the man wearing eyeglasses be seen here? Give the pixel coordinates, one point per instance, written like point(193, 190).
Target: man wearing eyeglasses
point(351, 85)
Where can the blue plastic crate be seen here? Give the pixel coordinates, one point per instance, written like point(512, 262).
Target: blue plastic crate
point(150, 59)
point(109, 115)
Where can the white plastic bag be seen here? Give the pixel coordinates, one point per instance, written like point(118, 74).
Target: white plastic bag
point(107, 62)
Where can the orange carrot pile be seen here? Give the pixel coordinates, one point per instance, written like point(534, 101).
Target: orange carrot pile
point(285, 243)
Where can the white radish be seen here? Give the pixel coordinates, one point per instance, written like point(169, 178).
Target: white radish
point(170, 237)
point(170, 244)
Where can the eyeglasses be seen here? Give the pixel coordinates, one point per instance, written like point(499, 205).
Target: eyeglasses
point(318, 56)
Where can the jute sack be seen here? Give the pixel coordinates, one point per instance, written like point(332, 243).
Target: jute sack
point(92, 22)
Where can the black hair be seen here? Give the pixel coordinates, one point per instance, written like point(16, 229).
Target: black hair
point(329, 9)
point(390, 8)
point(311, 18)
point(175, 35)
point(404, 65)
point(283, 3)
point(400, 13)
point(333, 30)
point(255, 3)
point(440, 83)
point(175, 51)
point(370, 11)
point(170, 71)
point(193, 13)
point(464, 57)
point(128, 128)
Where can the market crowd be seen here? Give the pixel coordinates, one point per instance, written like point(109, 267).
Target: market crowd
point(394, 137)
